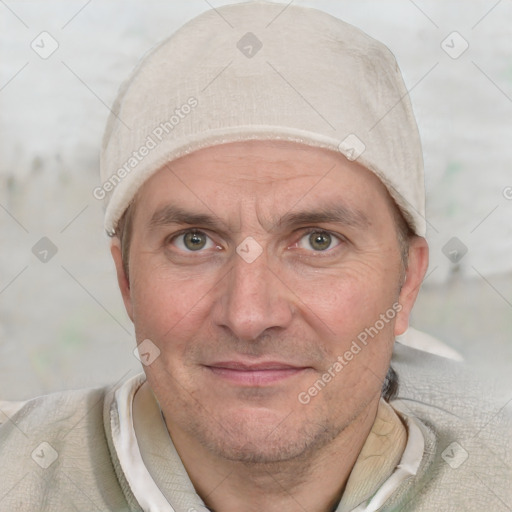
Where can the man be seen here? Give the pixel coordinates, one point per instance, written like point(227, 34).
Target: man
point(263, 179)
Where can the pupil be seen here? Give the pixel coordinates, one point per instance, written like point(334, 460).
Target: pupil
point(194, 241)
point(320, 240)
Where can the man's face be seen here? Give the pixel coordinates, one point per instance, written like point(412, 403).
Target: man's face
point(293, 254)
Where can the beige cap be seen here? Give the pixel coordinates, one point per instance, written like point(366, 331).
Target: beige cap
point(258, 70)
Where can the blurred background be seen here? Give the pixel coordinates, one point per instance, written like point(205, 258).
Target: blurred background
point(62, 320)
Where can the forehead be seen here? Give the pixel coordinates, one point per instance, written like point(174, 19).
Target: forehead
point(266, 163)
point(269, 177)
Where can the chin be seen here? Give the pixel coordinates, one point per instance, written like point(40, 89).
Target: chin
point(259, 450)
point(264, 437)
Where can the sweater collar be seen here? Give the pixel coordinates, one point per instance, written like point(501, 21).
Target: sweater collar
point(392, 453)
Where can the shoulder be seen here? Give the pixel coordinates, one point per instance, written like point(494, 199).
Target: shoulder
point(470, 419)
point(450, 386)
point(50, 409)
point(54, 452)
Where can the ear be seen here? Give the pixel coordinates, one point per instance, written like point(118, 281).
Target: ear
point(122, 278)
point(416, 270)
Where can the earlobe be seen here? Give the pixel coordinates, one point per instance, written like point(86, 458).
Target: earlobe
point(416, 270)
point(122, 278)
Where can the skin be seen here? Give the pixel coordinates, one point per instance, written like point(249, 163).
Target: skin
point(246, 440)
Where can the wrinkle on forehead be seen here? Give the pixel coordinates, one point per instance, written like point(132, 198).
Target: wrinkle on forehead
point(259, 186)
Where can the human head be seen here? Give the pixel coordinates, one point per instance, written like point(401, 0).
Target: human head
point(229, 158)
point(290, 304)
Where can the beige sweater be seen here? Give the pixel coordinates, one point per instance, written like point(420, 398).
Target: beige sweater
point(61, 452)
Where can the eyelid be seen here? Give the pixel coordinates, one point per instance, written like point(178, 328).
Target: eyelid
point(172, 238)
point(309, 230)
point(303, 232)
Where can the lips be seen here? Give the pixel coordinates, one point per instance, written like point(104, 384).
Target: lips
point(254, 374)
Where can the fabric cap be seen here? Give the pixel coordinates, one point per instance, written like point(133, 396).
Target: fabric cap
point(261, 70)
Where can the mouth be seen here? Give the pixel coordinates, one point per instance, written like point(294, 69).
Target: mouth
point(258, 374)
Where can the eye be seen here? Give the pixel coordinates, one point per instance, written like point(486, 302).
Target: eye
point(192, 241)
point(319, 240)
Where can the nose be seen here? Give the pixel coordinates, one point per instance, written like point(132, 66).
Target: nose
point(253, 299)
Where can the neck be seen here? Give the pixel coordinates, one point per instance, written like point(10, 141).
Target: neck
point(313, 482)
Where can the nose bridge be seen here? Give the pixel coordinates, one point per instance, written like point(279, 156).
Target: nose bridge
point(254, 299)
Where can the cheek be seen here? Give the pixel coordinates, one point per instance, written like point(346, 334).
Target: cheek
point(165, 306)
point(349, 299)
point(359, 310)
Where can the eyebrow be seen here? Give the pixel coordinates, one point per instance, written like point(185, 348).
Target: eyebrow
point(335, 213)
point(172, 214)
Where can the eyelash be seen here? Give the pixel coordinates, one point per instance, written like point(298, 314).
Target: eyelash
point(304, 232)
point(334, 236)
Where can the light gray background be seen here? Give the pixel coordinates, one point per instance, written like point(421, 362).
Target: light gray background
point(62, 322)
